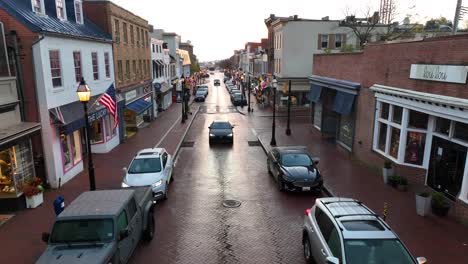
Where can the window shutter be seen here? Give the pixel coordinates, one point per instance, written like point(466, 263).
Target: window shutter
point(331, 43)
point(319, 43)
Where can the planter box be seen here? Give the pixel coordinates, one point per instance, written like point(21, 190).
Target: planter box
point(34, 201)
point(423, 205)
point(440, 211)
point(402, 188)
point(386, 173)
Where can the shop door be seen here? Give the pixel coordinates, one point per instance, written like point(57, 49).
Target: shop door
point(446, 167)
point(318, 115)
point(330, 123)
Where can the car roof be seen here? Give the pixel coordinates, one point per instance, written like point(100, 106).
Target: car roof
point(355, 220)
point(97, 203)
point(221, 121)
point(291, 149)
point(149, 153)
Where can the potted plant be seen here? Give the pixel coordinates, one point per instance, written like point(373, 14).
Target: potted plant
point(439, 204)
point(402, 184)
point(387, 170)
point(423, 203)
point(33, 191)
point(393, 181)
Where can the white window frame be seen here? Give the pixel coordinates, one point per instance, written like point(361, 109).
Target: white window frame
point(80, 9)
point(328, 41)
point(41, 6)
point(80, 66)
point(107, 68)
point(64, 9)
point(97, 65)
point(340, 36)
point(60, 68)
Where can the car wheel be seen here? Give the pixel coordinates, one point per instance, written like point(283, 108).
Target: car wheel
point(308, 251)
point(166, 193)
point(280, 184)
point(149, 232)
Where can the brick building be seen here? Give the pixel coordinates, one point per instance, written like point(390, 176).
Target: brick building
point(406, 102)
point(132, 60)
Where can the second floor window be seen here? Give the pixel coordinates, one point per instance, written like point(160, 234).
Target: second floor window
point(134, 70)
point(77, 63)
point(55, 69)
point(116, 31)
point(60, 9)
point(153, 47)
point(324, 41)
point(140, 69)
point(127, 70)
point(37, 6)
point(132, 36)
point(94, 58)
point(125, 36)
point(78, 16)
point(107, 64)
point(338, 41)
point(119, 71)
point(138, 37)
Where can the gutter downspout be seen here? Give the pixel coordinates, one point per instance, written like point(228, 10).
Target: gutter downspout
point(19, 75)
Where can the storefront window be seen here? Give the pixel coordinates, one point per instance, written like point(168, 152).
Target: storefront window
point(415, 144)
point(110, 130)
point(394, 142)
point(97, 135)
point(461, 131)
point(16, 168)
point(418, 120)
point(384, 111)
point(71, 149)
point(397, 114)
point(346, 130)
point(443, 126)
point(382, 137)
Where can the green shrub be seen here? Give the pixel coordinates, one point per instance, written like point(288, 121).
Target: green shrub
point(403, 181)
point(387, 164)
point(347, 48)
point(438, 199)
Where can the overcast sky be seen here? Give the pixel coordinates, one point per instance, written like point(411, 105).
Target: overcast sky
point(218, 27)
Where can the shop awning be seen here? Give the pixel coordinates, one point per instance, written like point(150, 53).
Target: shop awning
point(139, 106)
point(70, 117)
point(343, 103)
point(336, 84)
point(315, 92)
point(13, 132)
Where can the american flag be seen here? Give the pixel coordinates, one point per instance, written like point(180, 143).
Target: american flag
point(109, 101)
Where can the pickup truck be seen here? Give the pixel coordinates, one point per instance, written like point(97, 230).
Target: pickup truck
point(101, 227)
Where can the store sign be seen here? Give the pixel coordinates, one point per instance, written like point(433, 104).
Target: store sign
point(157, 86)
point(97, 115)
point(439, 73)
point(130, 95)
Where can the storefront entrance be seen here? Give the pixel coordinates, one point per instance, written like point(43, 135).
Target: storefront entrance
point(446, 167)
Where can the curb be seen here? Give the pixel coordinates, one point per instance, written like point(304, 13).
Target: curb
point(176, 154)
point(326, 190)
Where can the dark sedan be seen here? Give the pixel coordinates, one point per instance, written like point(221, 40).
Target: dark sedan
point(221, 131)
point(294, 169)
point(238, 100)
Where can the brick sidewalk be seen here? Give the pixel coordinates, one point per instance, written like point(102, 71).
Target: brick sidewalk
point(440, 240)
point(21, 236)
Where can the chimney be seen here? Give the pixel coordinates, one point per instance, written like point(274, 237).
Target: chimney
point(326, 18)
point(295, 17)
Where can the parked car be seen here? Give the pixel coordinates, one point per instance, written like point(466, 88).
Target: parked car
point(203, 88)
point(294, 169)
point(217, 82)
point(221, 131)
point(344, 230)
point(100, 227)
point(150, 167)
point(239, 100)
point(235, 93)
point(200, 96)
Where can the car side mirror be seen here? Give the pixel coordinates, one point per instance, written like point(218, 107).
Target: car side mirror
point(124, 233)
point(332, 260)
point(421, 260)
point(316, 162)
point(209, 127)
point(124, 169)
point(45, 237)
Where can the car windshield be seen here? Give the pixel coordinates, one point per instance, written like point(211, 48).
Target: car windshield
point(295, 159)
point(83, 230)
point(145, 165)
point(381, 251)
point(200, 92)
point(221, 125)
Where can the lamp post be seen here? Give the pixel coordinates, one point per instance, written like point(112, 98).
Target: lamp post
point(288, 128)
point(182, 80)
point(248, 94)
point(84, 93)
point(273, 139)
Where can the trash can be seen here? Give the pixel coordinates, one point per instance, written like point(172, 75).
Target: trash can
point(59, 204)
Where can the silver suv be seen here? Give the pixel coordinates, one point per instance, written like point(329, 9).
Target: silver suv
point(343, 230)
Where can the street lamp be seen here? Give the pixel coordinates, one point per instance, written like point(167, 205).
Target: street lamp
point(248, 94)
point(181, 81)
point(273, 139)
point(288, 128)
point(84, 94)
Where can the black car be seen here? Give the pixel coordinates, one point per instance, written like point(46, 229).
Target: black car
point(217, 82)
point(238, 100)
point(294, 169)
point(221, 131)
point(200, 96)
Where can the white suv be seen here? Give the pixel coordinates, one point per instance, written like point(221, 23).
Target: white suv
point(343, 230)
point(150, 167)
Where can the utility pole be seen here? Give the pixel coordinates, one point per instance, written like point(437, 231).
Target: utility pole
point(457, 17)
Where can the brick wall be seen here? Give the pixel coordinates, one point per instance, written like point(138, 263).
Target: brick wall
point(104, 14)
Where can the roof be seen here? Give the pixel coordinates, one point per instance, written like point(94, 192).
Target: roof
point(21, 10)
point(97, 203)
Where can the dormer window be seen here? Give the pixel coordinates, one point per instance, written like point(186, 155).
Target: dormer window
point(60, 9)
point(79, 12)
point(37, 6)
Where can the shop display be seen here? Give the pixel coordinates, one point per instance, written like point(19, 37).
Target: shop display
point(16, 168)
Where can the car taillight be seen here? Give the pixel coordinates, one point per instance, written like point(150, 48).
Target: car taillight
point(307, 211)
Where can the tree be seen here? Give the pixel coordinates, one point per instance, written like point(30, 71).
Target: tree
point(361, 27)
point(436, 24)
point(225, 64)
point(194, 67)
